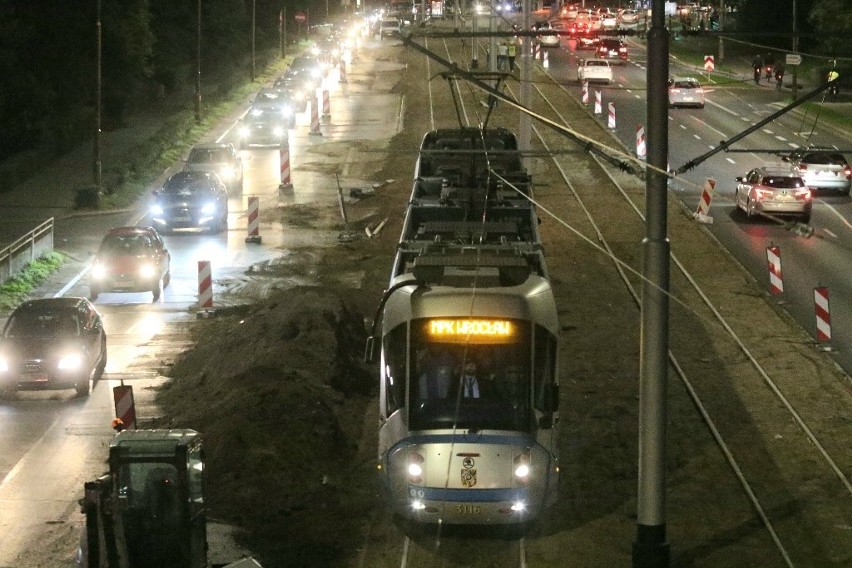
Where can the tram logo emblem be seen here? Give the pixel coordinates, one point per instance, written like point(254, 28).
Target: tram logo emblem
point(468, 473)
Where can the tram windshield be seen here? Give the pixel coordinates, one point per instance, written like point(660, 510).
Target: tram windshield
point(474, 374)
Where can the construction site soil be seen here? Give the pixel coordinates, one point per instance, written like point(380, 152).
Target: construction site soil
point(277, 385)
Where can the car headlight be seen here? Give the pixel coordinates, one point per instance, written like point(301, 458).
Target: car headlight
point(209, 208)
point(147, 270)
point(278, 131)
point(98, 271)
point(227, 173)
point(244, 131)
point(4, 365)
point(316, 73)
point(256, 112)
point(70, 362)
point(156, 209)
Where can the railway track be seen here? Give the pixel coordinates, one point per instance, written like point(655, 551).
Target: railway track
point(759, 460)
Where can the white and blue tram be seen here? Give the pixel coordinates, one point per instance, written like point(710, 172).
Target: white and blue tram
point(466, 336)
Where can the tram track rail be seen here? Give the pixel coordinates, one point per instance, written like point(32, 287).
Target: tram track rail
point(765, 404)
point(552, 102)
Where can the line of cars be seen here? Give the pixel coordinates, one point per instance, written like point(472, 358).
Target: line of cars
point(60, 343)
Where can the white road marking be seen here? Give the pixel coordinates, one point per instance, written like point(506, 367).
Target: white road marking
point(724, 108)
point(781, 138)
point(697, 137)
point(768, 131)
point(730, 160)
point(837, 213)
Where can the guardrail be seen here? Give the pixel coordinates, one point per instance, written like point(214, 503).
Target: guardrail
point(26, 249)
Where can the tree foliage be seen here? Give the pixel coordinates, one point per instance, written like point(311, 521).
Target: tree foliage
point(833, 19)
point(48, 59)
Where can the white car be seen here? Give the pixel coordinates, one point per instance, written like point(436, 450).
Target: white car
point(609, 20)
point(595, 70)
point(546, 40)
point(685, 91)
point(628, 17)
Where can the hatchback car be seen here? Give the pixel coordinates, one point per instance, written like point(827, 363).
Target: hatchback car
point(628, 17)
point(277, 101)
point(774, 189)
point(191, 200)
point(130, 259)
point(822, 168)
point(52, 343)
point(612, 49)
point(222, 159)
point(685, 91)
point(546, 40)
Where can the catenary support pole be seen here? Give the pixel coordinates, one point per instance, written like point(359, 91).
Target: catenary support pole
point(525, 122)
point(651, 548)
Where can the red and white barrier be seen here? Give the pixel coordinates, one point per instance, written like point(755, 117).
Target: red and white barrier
point(125, 407)
point(205, 284)
point(315, 121)
point(585, 92)
point(284, 164)
point(773, 260)
point(641, 149)
point(544, 62)
point(598, 105)
point(823, 315)
point(253, 220)
point(326, 104)
point(702, 213)
point(343, 69)
point(611, 116)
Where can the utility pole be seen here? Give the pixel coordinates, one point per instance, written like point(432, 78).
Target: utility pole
point(253, 12)
point(525, 122)
point(795, 50)
point(651, 549)
point(198, 66)
point(96, 165)
point(721, 27)
point(474, 64)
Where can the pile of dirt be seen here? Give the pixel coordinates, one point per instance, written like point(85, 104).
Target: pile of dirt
point(278, 391)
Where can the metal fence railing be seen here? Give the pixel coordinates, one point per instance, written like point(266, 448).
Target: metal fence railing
point(19, 254)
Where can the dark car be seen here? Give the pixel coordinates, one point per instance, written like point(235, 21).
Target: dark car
point(222, 159)
point(613, 49)
point(130, 259)
point(296, 87)
point(260, 128)
point(822, 168)
point(52, 343)
point(311, 65)
point(275, 101)
point(191, 200)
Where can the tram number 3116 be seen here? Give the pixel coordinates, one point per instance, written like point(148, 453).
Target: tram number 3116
point(467, 509)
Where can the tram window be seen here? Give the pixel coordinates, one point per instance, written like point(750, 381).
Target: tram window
point(545, 366)
point(394, 372)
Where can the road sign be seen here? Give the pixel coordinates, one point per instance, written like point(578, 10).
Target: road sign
point(709, 63)
point(300, 17)
point(793, 59)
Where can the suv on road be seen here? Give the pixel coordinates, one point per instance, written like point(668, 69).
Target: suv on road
point(612, 49)
point(822, 168)
point(191, 200)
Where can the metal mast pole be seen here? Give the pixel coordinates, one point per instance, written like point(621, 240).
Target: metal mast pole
point(253, 12)
point(795, 50)
point(198, 66)
point(492, 41)
point(721, 28)
point(525, 122)
point(96, 163)
point(651, 550)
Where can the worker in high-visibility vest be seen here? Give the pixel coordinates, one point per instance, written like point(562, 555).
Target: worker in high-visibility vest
point(512, 52)
point(834, 89)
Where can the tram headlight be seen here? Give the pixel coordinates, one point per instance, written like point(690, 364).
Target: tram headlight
point(415, 468)
point(521, 468)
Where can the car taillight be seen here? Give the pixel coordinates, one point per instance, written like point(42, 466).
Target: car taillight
point(762, 194)
point(802, 194)
point(802, 167)
point(622, 50)
point(848, 172)
point(675, 91)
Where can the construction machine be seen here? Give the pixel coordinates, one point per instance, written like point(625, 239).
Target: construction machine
point(148, 511)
